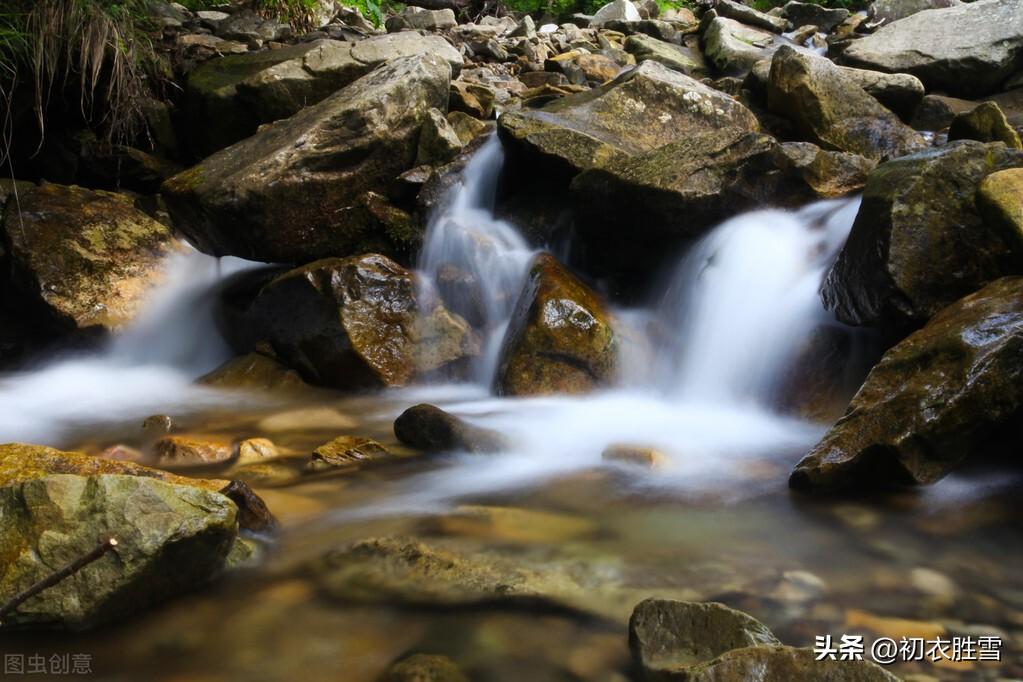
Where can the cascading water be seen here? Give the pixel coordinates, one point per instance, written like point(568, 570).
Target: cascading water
point(466, 242)
point(146, 369)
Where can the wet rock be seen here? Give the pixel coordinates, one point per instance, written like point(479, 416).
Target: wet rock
point(828, 107)
point(828, 174)
point(966, 50)
point(170, 539)
point(733, 47)
point(256, 450)
point(81, 261)
point(935, 112)
point(931, 400)
point(636, 455)
point(640, 110)
point(749, 16)
point(560, 338)
point(287, 193)
point(1000, 201)
point(20, 463)
point(985, 123)
point(597, 68)
point(185, 450)
point(254, 371)
point(918, 243)
point(808, 13)
point(668, 636)
point(676, 57)
point(899, 92)
point(430, 428)
point(785, 664)
point(157, 425)
point(475, 99)
point(346, 451)
point(307, 419)
point(426, 668)
point(466, 127)
point(355, 322)
point(510, 525)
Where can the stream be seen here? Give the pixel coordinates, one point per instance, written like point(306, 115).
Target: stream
point(709, 374)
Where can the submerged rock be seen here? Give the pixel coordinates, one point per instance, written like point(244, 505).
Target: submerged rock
point(430, 428)
point(186, 450)
point(227, 99)
point(170, 539)
point(254, 371)
point(20, 463)
point(560, 338)
point(667, 636)
point(81, 260)
point(829, 108)
point(967, 50)
point(784, 664)
point(637, 112)
point(347, 451)
point(293, 191)
point(918, 242)
point(356, 322)
point(426, 668)
point(931, 400)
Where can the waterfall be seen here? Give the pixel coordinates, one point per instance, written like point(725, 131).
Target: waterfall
point(745, 298)
point(148, 368)
point(474, 260)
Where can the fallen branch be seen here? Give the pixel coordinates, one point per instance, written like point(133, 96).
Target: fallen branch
point(49, 581)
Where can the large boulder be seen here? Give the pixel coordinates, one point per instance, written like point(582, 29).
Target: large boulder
point(966, 50)
point(560, 338)
point(355, 322)
point(677, 57)
point(829, 108)
point(1000, 201)
point(430, 428)
point(918, 242)
point(294, 191)
point(688, 186)
point(641, 110)
point(667, 636)
point(886, 11)
point(81, 260)
point(812, 14)
point(750, 16)
point(932, 399)
point(986, 123)
point(227, 99)
point(170, 539)
point(20, 463)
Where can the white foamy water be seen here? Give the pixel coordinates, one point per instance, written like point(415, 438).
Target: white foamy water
point(149, 368)
point(464, 238)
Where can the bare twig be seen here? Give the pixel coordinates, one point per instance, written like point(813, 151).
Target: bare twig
point(105, 545)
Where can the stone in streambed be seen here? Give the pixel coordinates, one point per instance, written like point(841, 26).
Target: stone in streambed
point(295, 190)
point(170, 539)
point(191, 450)
point(425, 668)
point(829, 108)
point(430, 428)
point(931, 400)
point(734, 47)
point(80, 261)
point(346, 451)
point(20, 463)
point(667, 636)
point(560, 338)
point(356, 322)
point(985, 123)
point(749, 16)
point(635, 455)
point(784, 664)
point(918, 242)
point(1000, 202)
point(254, 371)
point(808, 13)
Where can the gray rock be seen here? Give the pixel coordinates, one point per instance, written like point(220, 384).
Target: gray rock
point(438, 141)
point(809, 13)
point(170, 539)
point(429, 20)
point(785, 664)
point(749, 16)
point(918, 243)
point(227, 99)
point(676, 57)
point(985, 123)
point(733, 47)
point(886, 11)
point(829, 108)
point(966, 50)
point(668, 636)
point(932, 399)
point(247, 26)
point(291, 192)
point(619, 10)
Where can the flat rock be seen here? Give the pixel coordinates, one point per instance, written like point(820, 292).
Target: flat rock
point(785, 664)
